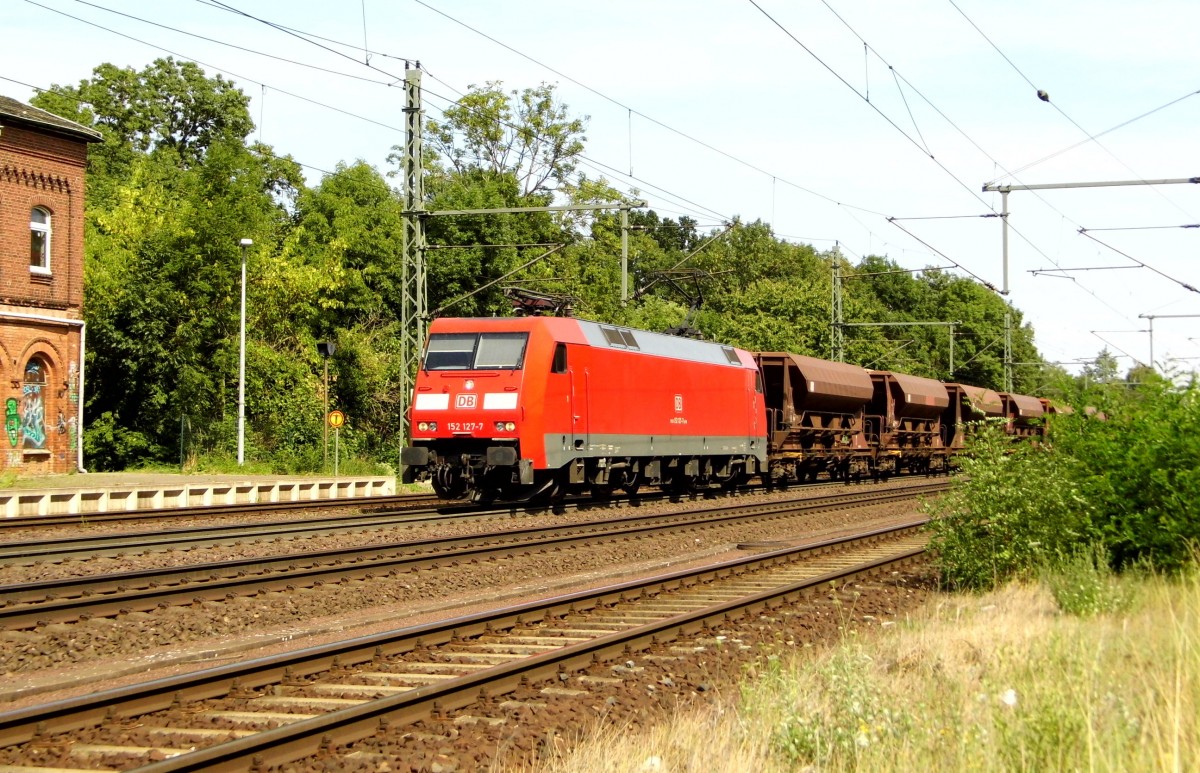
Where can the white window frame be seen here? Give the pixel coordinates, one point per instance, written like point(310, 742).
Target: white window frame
point(46, 229)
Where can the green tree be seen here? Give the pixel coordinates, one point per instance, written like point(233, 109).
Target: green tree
point(527, 134)
point(172, 190)
point(345, 252)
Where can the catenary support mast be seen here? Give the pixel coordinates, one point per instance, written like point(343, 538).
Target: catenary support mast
point(414, 299)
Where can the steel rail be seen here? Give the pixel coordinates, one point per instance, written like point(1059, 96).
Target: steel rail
point(307, 736)
point(110, 595)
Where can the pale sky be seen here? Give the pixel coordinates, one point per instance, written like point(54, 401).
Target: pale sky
point(818, 117)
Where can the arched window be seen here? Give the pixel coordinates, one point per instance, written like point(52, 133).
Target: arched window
point(33, 405)
point(39, 240)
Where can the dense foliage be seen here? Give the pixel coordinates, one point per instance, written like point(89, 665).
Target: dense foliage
point(1119, 478)
point(176, 185)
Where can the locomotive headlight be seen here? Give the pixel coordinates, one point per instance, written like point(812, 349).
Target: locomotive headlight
point(506, 426)
point(427, 426)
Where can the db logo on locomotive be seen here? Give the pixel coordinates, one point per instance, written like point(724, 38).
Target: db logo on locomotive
point(466, 400)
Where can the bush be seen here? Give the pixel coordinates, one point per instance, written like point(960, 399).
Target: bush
point(1016, 507)
point(1141, 468)
point(1117, 492)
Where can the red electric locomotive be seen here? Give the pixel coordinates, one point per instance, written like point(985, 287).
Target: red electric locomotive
point(516, 408)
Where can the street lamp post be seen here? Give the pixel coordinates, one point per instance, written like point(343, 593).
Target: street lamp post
point(242, 363)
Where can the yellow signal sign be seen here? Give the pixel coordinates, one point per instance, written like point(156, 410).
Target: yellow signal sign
point(336, 419)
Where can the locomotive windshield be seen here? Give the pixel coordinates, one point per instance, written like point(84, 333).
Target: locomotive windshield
point(475, 351)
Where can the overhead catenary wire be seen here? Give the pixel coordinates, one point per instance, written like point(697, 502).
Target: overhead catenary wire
point(359, 61)
point(903, 133)
point(304, 37)
point(700, 142)
point(217, 68)
point(251, 80)
point(1045, 98)
point(1082, 142)
point(1164, 275)
point(274, 25)
point(1141, 227)
point(1040, 93)
point(214, 40)
point(633, 111)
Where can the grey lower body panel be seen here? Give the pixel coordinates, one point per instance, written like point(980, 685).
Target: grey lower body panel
point(561, 449)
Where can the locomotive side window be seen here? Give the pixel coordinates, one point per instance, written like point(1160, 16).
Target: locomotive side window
point(475, 351)
point(560, 359)
point(501, 351)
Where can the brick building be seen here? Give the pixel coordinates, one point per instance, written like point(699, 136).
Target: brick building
point(42, 332)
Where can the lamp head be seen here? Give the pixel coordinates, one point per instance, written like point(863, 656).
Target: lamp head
point(246, 242)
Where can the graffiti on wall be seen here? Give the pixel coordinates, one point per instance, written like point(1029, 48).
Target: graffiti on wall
point(33, 406)
point(72, 385)
point(12, 421)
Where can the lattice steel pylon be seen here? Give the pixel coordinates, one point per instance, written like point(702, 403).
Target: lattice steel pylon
point(415, 299)
point(837, 330)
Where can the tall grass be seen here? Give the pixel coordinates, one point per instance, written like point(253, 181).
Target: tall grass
point(1006, 681)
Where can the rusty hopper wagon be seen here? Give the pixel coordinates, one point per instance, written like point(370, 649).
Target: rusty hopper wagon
point(968, 404)
point(904, 418)
point(815, 416)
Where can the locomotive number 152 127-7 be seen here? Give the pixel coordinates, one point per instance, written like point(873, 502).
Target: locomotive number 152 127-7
point(464, 426)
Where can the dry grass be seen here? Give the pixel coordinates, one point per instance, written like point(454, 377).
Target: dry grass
point(1001, 682)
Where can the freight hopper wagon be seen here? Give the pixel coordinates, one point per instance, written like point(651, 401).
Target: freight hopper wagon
point(525, 407)
point(968, 405)
point(904, 422)
point(815, 417)
point(1023, 415)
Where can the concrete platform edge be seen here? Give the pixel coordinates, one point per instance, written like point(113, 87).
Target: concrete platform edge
point(102, 499)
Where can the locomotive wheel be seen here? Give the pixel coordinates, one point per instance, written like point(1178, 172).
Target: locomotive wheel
point(734, 481)
point(447, 484)
point(629, 482)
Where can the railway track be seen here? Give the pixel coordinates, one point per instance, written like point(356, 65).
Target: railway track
point(417, 511)
point(84, 547)
point(344, 698)
point(29, 605)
